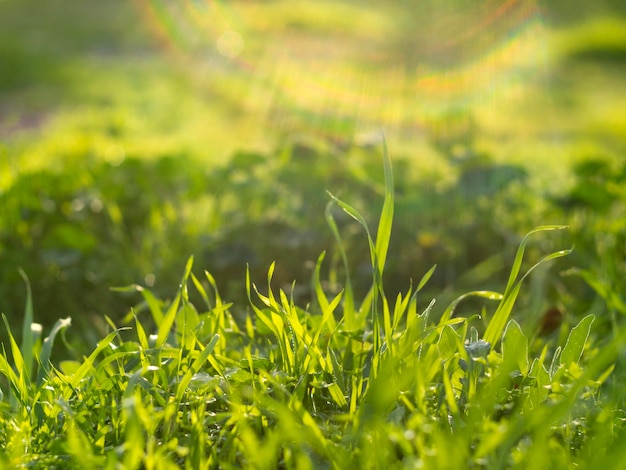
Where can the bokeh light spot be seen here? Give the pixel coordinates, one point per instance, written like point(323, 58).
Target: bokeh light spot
point(230, 44)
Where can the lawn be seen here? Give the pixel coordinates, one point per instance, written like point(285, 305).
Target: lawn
point(312, 234)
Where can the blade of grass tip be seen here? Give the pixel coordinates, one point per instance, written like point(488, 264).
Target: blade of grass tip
point(383, 235)
point(327, 317)
point(148, 297)
point(387, 329)
point(412, 313)
point(352, 212)
point(153, 305)
point(216, 292)
point(400, 308)
point(18, 360)
point(184, 290)
point(270, 275)
point(500, 317)
point(322, 300)
point(201, 291)
point(365, 307)
point(348, 298)
point(276, 329)
point(27, 333)
point(517, 262)
point(46, 349)
point(379, 248)
point(168, 320)
point(425, 278)
point(9, 373)
point(141, 334)
point(496, 325)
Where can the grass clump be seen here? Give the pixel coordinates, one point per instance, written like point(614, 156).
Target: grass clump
point(372, 381)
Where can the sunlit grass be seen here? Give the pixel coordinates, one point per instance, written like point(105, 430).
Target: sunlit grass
point(115, 161)
point(371, 381)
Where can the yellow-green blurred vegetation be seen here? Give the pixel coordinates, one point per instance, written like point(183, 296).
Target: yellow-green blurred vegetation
point(134, 134)
point(144, 139)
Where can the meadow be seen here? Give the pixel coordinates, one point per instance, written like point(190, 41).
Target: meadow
point(269, 235)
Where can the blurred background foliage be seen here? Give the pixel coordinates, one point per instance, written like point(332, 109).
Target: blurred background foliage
point(133, 134)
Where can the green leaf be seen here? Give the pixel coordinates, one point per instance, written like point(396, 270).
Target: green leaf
point(573, 349)
point(515, 347)
point(449, 342)
point(555, 364)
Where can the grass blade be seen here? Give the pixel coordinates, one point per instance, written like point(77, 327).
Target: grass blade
point(27, 332)
point(46, 349)
point(485, 294)
point(8, 372)
point(23, 380)
point(348, 298)
point(498, 321)
point(383, 235)
point(517, 262)
point(425, 278)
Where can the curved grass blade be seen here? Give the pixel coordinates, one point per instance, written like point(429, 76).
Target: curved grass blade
point(498, 321)
point(352, 212)
point(517, 262)
point(485, 294)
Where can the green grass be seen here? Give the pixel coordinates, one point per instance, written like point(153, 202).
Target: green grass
point(120, 158)
point(372, 381)
point(95, 111)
